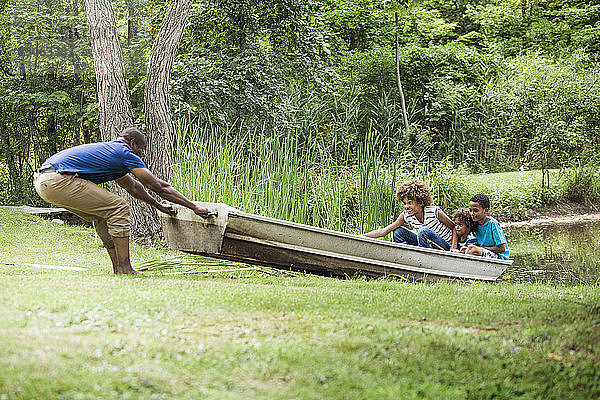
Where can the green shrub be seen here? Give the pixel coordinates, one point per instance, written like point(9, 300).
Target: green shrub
point(581, 184)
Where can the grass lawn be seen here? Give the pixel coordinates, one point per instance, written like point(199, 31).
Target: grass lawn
point(508, 181)
point(90, 334)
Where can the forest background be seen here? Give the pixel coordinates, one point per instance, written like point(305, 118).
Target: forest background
point(291, 108)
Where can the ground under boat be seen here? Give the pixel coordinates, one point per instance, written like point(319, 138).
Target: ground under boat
point(231, 234)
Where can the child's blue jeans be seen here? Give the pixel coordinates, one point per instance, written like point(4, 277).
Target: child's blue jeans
point(403, 235)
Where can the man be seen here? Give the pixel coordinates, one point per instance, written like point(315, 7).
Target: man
point(70, 179)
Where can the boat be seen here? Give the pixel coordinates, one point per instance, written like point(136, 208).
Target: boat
point(231, 234)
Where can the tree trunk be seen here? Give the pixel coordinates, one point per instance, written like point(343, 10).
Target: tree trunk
point(115, 112)
point(404, 113)
point(78, 74)
point(114, 106)
point(159, 122)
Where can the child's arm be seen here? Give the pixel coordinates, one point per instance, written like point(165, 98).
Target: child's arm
point(474, 249)
point(454, 245)
point(496, 249)
point(445, 220)
point(441, 215)
point(384, 231)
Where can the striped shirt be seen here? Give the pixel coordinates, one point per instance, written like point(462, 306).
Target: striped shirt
point(431, 221)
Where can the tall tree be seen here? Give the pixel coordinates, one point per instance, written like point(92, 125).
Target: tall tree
point(114, 107)
point(159, 122)
point(115, 111)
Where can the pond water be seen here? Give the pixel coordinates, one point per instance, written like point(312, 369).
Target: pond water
point(558, 253)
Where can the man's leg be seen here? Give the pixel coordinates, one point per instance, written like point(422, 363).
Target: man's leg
point(403, 235)
point(117, 248)
point(122, 254)
point(102, 231)
point(107, 240)
point(426, 237)
point(86, 199)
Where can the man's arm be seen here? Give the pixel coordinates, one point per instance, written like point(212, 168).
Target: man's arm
point(158, 186)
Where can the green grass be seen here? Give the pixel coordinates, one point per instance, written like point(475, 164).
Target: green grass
point(512, 193)
point(89, 335)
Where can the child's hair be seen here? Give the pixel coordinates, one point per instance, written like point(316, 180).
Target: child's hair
point(462, 214)
point(415, 190)
point(482, 199)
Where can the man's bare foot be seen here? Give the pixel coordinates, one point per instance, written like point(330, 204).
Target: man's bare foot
point(126, 271)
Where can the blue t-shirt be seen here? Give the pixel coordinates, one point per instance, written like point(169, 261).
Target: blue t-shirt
point(97, 162)
point(491, 234)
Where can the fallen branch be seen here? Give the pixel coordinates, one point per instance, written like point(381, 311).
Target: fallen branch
point(44, 266)
point(211, 271)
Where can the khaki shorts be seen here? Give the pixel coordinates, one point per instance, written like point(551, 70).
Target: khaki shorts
point(84, 198)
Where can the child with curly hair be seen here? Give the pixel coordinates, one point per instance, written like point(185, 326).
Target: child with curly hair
point(434, 228)
point(463, 227)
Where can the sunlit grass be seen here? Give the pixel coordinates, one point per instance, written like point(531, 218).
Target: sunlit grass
point(74, 334)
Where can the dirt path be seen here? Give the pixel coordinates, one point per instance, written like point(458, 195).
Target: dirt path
point(541, 221)
point(559, 213)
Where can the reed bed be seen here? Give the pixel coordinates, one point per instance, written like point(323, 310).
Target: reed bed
point(285, 178)
point(313, 178)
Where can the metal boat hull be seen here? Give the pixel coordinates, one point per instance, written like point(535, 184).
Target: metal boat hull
point(254, 239)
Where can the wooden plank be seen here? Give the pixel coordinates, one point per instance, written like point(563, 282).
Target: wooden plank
point(40, 211)
point(45, 266)
point(52, 213)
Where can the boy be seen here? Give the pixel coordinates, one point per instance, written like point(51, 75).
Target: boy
point(434, 227)
point(491, 241)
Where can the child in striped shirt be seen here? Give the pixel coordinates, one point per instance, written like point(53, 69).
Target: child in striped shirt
point(434, 228)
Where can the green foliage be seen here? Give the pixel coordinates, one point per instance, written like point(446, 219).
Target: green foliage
point(238, 57)
point(547, 112)
point(45, 92)
point(490, 85)
point(554, 28)
point(278, 176)
point(582, 183)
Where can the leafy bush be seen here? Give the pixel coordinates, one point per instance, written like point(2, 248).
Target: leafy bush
point(582, 184)
point(545, 112)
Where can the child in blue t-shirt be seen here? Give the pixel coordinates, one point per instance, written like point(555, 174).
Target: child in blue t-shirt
point(464, 227)
point(491, 241)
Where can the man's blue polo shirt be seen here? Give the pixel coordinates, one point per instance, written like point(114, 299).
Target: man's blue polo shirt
point(97, 162)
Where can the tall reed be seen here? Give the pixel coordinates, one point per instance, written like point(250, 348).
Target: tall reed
point(300, 180)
